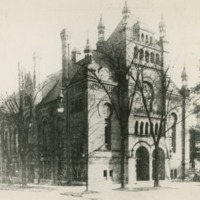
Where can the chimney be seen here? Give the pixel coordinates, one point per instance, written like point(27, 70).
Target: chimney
point(65, 39)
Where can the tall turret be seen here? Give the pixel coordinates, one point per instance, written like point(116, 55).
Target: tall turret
point(162, 28)
point(87, 49)
point(164, 44)
point(126, 13)
point(101, 29)
point(101, 36)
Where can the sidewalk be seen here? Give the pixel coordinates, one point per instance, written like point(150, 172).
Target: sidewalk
point(140, 191)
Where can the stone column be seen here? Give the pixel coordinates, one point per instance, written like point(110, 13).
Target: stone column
point(167, 169)
point(150, 167)
point(132, 171)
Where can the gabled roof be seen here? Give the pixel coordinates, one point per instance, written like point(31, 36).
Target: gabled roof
point(132, 22)
point(50, 87)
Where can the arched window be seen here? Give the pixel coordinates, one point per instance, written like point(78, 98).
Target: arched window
point(135, 53)
point(151, 128)
point(28, 126)
point(45, 135)
point(152, 57)
point(6, 140)
point(147, 56)
point(15, 141)
point(156, 129)
point(141, 54)
point(149, 95)
point(173, 131)
point(157, 59)
point(147, 128)
point(136, 128)
point(141, 128)
point(151, 39)
point(147, 39)
point(59, 139)
point(107, 111)
point(142, 37)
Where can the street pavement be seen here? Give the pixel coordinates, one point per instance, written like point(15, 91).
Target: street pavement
point(141, 191)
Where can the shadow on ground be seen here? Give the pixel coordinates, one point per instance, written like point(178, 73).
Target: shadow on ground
point(80, 194)
point(142, 189)
point(27, 188)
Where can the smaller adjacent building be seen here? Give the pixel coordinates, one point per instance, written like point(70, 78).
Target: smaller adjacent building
point(195, 147)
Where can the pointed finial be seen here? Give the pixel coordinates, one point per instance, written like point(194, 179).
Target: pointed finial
point(184, 77)
point(184, 73)
point(101, 25)
point(126, 14)
point(162, 28)
point(125, 9)
point(162, 23)
point(87, 46)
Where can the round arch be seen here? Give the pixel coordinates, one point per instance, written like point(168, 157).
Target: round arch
point(140, 144)
point(142, 163)
point(45, 133)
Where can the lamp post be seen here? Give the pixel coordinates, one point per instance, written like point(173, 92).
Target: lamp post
point(185, 93)
point(60, 105)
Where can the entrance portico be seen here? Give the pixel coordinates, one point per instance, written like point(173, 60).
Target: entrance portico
point(141, 164)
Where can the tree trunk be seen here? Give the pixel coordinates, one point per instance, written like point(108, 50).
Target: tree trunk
point(156, 167)
point(87, 165)
point(8, 173)
point(122, 132)
point(24, 172)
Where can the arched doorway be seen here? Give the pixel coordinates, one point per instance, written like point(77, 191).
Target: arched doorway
point(142, 164)
point(161, 165)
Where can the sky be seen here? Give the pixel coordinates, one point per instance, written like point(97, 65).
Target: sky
point(27, 26)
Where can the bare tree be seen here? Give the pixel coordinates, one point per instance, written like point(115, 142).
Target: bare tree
point(120, 97)
point(5, 149)
point(19, 111)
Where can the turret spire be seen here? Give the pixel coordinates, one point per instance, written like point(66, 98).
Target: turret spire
point(87, 49)
point(162, 27)
point(101, 29)
point(126, 13)
point(184, 77)
point(126, 9)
